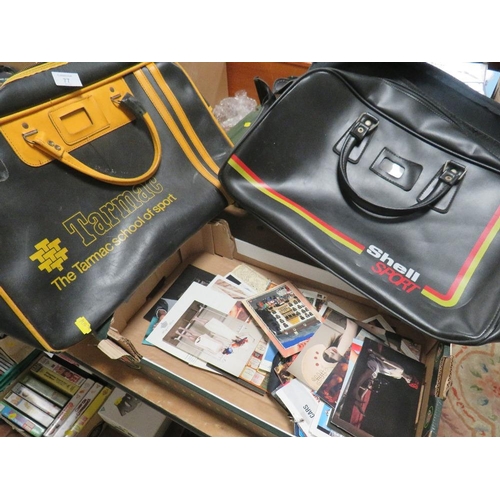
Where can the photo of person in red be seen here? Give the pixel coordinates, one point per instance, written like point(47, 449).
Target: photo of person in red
point(383, 394)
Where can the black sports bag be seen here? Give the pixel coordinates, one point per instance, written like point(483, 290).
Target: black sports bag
point(388, 176)
point(105, 170)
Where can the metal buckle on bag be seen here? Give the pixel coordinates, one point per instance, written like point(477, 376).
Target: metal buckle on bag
point(365, 125)
point(452, 173)
point(28, 134)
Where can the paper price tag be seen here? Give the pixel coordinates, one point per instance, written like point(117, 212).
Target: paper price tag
point(66, 79)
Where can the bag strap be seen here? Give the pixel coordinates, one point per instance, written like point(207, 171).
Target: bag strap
point(451, 173)
point(38, 139)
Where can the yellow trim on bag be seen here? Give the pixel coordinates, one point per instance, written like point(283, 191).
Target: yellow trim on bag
point(76, 93)
point(53, 133)
point(33, 70)
point(172, 99)
point(454, 294)
point(176, 132)
point(209, 109)
point(103, 117)
point(24, 320)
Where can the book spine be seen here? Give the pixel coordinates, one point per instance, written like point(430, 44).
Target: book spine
point(45, 390)
point(22, 421)
point(66, 373)
point(70, 407)
point(91, 410)
point(36, 399)
point(28, 409)
point(5, 364)
point(7, 378)
point(54, 379)
point(79, 409)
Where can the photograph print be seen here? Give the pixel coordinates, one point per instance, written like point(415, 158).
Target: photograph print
point(191, 274)
point(216, 329)
point(286, 316)
point(383, 395)
point(326, 350)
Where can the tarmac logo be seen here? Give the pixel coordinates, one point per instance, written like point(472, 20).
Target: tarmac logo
point(50, 255)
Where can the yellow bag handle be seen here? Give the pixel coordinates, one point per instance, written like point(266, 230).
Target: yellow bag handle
point(38, 139)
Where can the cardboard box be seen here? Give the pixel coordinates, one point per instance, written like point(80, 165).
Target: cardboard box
point(132, 416)
point(210, 403)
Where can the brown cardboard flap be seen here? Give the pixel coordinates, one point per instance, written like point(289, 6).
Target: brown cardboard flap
point(116, 352)
point(224, 244)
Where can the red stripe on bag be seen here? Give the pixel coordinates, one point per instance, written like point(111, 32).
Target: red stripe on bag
point(463, 277)
point(256, 181)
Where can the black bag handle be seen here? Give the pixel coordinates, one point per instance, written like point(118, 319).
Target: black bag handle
point(451, 173)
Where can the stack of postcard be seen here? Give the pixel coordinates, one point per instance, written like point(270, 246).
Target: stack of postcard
point(202, 319)
point(336, 375)
point(234, 325)
point(349, 379)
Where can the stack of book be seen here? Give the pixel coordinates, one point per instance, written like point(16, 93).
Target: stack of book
point(15, 356)
point(53, 400)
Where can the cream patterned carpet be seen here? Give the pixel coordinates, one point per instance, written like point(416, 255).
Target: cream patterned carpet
point(472, 408)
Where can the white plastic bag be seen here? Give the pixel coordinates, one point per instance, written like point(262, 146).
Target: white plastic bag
point(233, 109)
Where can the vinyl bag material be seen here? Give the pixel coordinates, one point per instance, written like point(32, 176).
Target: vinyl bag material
point(105, 170)
point(389, 178)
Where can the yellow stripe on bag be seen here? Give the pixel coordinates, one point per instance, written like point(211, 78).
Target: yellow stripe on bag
point(51, 104)
point(207, 106)
point(240, 167)
point(453, 295)
point(172, 99)
point(33, 70)
point(168, 119)
point(24, 320)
